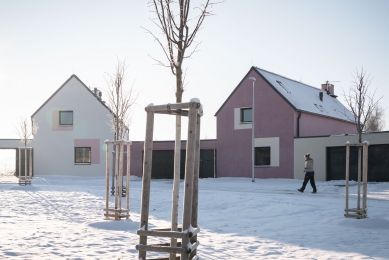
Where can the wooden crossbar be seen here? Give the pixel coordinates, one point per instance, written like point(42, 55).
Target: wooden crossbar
point(173, 112)
point(158, 248)
point(167, 107)
point(171, 234)
point(117, 210)
point(356, 210)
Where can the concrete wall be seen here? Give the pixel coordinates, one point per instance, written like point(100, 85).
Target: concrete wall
point(137, 151)
point(317, 147)
point(13, 143)
point(54, 149)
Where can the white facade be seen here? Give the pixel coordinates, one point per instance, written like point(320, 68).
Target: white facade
point(54, 144)
point(317, 147)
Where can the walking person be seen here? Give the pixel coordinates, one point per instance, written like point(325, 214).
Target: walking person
point(309, 173)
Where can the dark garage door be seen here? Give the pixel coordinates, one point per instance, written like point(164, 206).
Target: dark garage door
point(378, 160)
point(163, 164)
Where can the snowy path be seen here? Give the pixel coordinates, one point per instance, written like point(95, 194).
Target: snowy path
point(61, 218)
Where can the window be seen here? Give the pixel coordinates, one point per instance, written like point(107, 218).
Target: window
point(246, 115)
point(82, 155)
point(282, 85)
point(65, 117)
point(262, 155)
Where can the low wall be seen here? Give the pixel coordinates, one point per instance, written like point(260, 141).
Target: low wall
point(317, 147)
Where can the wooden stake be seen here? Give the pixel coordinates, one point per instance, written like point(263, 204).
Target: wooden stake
point(119, 195)
point(30, 165)
point(20, 163)
point(196, 184)
point(128, 177)
point(359, 177)
point(25, 164)
point(347, 173)
point(116, 174)
point(107, 177)
point(147, 167)
point(189, 170)
point(365, 167)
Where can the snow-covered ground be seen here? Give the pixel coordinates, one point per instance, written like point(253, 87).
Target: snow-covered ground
point(62, 218)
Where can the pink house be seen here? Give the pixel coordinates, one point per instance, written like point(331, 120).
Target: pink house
point(284, 109)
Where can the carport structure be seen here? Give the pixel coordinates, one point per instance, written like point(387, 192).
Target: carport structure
point(23, 159)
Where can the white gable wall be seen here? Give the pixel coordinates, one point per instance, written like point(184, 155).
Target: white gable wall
point(54, 145)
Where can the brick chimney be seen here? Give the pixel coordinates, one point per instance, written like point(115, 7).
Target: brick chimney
point(328, 87)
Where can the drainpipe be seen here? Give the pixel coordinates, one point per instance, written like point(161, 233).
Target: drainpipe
point(298, 124)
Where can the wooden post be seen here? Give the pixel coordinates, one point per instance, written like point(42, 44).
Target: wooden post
point(119, 195)
point(25, 165)
point(20, 164)
point(359, 177)
point(128, 177)
point(147, 166)
point(30, 165)
point(107, 179)
point(347, 173)
point(189, 170)
point(365, 167)
point(116, 174)
point(176, 184)
point(195, 202)
point(113, 170)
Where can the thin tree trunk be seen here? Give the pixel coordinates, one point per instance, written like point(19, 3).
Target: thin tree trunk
point(177, 164)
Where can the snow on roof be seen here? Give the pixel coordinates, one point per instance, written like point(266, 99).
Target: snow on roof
point(307, 98)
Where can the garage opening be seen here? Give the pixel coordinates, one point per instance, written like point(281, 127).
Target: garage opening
point(7, 161)
point(378, 160)
point(163, 164)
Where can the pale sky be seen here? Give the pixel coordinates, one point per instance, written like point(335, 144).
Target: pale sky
point(42, 43)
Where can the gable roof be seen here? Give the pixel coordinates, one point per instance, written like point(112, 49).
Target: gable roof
point(302, 97)
point(63, 85)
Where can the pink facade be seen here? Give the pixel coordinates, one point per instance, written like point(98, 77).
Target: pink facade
point(313, 125)
point(275, 117)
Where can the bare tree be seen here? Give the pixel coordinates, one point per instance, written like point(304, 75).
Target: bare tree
point(172, 19)
point(120, 101)
point(26, 130)
point(360, 101)
point(376, 121)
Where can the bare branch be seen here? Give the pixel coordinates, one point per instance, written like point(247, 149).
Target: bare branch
point(120, 101)
point(172, 18)
point(26, 131)
point(360, 101)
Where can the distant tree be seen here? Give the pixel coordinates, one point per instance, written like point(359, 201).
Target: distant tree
point(120, 101)
point(376, 121)
point(360, 101)
point(26, 130)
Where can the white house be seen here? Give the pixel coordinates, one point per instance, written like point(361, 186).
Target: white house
point(72, 130)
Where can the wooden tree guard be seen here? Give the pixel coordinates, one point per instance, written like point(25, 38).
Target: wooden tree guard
point(357, 212)
point(26, 178)
point(188, 232)
point(117, 212)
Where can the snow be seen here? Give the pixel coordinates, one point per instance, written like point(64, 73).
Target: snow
point(195, 100)
point(59, 217)
point(306, 98)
